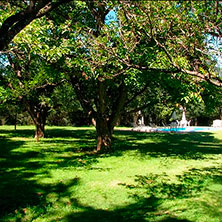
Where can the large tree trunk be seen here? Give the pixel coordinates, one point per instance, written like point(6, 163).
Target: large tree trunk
point(107, 118)
point(40, 130)
point(38, 114)
point(104, 135)
point(103, 127)
point(107, 112)
point(40, 120)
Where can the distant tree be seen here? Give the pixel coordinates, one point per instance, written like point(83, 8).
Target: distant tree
point(66, 109)
point(212, 97)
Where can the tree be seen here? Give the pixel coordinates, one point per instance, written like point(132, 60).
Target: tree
point(101, 57)
point(180, 31)
point(30, 76)
point(66, 109)
point(24, 13)
point(146, 38)
point(213, 101)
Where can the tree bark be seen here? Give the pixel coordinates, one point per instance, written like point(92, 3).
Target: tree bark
point(38, 115)
point(40, 120)
point(40, 130)
point(104, 139)
point(104, 135)
point(107, 118)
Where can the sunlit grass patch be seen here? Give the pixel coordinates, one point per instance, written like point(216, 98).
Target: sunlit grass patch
point(146, 177)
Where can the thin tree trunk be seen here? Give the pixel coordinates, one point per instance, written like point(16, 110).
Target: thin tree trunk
point(220, 113)
point(15, 121)
point(93, 122)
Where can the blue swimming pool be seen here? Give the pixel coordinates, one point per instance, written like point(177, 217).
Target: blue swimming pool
point(186, 129)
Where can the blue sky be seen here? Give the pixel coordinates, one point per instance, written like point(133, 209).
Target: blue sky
point(111, 17)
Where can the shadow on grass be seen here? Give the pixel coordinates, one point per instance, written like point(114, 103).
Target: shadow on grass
point(184, 146)
point(156, 189)
point(19, 169)
point(19, 189)
point(51, 133)
point(15, 188)
point(133, 212)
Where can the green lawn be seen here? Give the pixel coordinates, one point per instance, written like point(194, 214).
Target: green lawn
point(147, 177)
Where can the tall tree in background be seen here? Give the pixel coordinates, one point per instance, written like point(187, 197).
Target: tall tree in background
point(28, 73)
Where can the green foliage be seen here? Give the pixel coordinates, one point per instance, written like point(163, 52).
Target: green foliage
point(66, 109)
point(4, 95)
point(28, 72)
point(151, 45)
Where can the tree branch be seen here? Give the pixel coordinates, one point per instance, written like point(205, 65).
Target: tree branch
point(48, 87)
point(15, 23)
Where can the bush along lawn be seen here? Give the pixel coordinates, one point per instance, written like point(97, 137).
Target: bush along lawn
point(146, 177)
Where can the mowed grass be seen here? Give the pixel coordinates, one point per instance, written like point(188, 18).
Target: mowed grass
point(147, 176)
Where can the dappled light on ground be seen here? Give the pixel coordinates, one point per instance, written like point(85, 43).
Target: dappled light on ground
point(146, 177)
